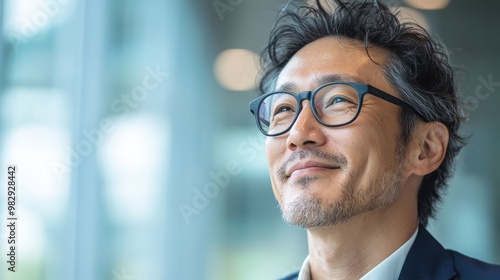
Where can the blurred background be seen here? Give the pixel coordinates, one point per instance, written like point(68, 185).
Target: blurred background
point(137, 156)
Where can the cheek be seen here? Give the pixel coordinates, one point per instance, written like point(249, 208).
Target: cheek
point(386, 142)
point(369, 148)
point(376, 152)
point(275, 153)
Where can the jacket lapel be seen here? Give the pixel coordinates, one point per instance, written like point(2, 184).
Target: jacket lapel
point(427, 259)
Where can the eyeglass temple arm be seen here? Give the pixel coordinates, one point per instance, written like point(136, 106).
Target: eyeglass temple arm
point(394, 100)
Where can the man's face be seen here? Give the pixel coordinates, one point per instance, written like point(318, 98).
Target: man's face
point(325, 175)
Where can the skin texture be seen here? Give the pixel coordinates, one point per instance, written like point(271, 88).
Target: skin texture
point(353, 187)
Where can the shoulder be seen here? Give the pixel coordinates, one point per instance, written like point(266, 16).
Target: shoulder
point(428, 259)
point(470, 268)
point(292, 276)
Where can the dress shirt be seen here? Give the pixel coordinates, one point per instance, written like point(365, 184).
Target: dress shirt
point(388, 269)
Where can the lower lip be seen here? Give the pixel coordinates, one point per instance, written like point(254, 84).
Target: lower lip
point(310, 171)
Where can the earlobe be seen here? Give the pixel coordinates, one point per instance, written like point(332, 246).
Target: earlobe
point(432, 145)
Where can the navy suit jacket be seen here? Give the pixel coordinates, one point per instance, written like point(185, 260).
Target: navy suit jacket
point(428, 260)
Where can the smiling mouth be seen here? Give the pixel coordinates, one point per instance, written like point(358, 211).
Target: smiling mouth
point(308, 168)
point(310, 171)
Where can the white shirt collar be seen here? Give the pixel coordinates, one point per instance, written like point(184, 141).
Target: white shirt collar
point(389, 269)
point(305, 271)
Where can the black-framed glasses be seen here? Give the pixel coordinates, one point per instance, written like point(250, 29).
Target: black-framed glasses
point(333, 104)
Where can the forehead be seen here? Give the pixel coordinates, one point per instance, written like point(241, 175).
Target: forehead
point(334, 58)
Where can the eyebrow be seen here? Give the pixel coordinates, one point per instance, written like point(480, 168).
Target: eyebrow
point(291, 86)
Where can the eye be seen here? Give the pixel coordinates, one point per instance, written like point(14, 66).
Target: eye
point(283, 109)
point(337, 100)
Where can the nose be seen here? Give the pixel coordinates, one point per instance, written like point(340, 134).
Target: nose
point(306, 131)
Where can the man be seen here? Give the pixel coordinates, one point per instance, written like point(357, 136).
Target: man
point(362, 119)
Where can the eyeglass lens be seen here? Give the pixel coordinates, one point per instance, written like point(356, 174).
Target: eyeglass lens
point(334, 104)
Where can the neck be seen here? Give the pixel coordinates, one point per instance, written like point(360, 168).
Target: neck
point(349, 250)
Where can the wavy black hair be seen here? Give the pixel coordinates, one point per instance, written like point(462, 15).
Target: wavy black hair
point(418, 67)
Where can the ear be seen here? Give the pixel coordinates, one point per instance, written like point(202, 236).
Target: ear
point(430, 141)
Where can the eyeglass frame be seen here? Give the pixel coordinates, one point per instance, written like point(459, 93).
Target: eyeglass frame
point(361, 89)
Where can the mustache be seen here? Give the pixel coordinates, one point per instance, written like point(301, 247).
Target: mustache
point(335, 159)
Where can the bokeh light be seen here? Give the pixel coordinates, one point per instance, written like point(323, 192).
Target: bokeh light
point(236, 69)
point(428, 4)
